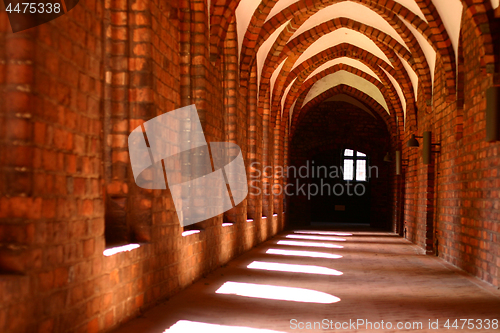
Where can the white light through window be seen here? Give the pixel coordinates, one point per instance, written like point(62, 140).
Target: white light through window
point(276, 292)
point(190, 232)
point(348, 169)
point(349, 152)
point(361, 170)
point(355, 165)
point(124, 248)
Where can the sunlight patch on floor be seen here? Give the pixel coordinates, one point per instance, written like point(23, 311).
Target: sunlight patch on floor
point(332, 233)
point(326, 238)
point(279, 267)
point(311, 244)
point(186, 326)
point(266, 291)
point(310, 254)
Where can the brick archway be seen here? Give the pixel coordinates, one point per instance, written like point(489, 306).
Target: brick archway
point(298, 87)
point(388, 12)
point(349, 51)
point(347, 90)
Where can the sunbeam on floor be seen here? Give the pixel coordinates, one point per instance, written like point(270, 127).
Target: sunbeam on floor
point(276, 293)
point(311, 244)
point(310, 254)
point(278, 267)
point(186, 326)
point(286, 285)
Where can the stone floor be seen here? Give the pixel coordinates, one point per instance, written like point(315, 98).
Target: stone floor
point(350, 279)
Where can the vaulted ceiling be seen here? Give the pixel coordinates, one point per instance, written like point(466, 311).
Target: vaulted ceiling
point(386, 50)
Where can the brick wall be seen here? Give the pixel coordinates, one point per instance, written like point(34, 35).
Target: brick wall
point(71, 92)
point(451, 206)
point(52, 214)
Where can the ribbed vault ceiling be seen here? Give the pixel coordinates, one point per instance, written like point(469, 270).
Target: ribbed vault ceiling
point(300, 50)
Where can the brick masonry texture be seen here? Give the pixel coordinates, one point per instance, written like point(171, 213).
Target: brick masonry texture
point(451, 206)
point(71, 92)
point(73, 89)
point(327, 129)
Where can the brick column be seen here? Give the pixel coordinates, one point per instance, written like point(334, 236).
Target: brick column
point(128, 102)
point(20, 131)
point(231, 84)
point(276, 161)
point(267, 160)
point(254, 166)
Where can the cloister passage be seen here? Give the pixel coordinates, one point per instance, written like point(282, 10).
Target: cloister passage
point(327, 281)
point(168, 155)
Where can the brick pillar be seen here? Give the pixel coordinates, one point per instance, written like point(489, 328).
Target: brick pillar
point(199, 59)
point(285, 163)
point(141, 108)
point(194, 48)
point(430, 209)
point(286, 152)
point(185, 51)
point(20, 131)
point(254, 166)
point(399, 202)
point(278, 140)
point(231, 84)
point(267, 162)
point(128, 102)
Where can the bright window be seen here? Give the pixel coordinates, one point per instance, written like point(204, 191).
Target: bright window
point(355, 165)
point(348, 169)
point(361, 170)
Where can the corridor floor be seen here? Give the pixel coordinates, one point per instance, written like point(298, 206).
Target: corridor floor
point(314, 280)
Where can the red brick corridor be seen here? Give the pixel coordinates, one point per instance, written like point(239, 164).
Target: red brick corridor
point(385, 278)
point(149, 145)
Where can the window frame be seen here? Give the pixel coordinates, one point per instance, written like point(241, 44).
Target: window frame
point(355, 158)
